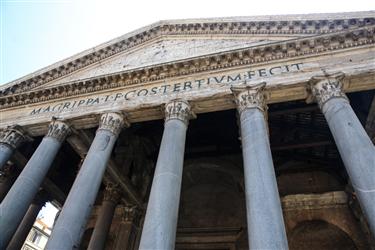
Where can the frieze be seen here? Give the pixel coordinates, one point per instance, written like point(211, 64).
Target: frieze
point(170, 88)
point(255, 27)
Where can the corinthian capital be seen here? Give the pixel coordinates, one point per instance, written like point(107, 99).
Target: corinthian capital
point(250, 96)
point(178, 109)
point(129, 214)
point(112, 193)
point(326, 87)
point(113, 122)
point(58, 130)
point(13, 136)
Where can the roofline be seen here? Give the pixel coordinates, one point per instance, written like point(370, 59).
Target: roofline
point(260, 18)
point(282, 17)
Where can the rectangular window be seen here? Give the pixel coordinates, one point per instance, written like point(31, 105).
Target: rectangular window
point(35, 238)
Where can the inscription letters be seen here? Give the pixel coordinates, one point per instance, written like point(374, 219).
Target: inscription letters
point(169, 88)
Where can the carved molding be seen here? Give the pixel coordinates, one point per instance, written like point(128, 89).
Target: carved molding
point(112, 193)
point(178, 109)
point(326, 87)
point(255, 27)
point(314, 201)
point(247, 56)
point(58, 130)
point(13, 136)
point(113, 122)
point(129, 214)
point(250, 96)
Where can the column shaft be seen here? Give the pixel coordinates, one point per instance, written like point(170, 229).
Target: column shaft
point(25, 226)
point(71, 223)
point(357, 152)
point(20, 196)
point(104, 221)
point(6, 181)
point(10, 139)
point(159, 229)
point(126, 238)
point(265, 223)
point(354, 145)
point(6, 152)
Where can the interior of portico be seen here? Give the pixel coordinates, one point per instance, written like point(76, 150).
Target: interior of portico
point(212, 206)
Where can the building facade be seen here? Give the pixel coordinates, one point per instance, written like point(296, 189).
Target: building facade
point(226, 133)
point(37, 237)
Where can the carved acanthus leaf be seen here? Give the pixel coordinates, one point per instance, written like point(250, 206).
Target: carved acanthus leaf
point(113, 122)
point(326, 87)
point(13, 136)
point(112, 193)
point(178, 109)
point(250, 96)
point(58, 130)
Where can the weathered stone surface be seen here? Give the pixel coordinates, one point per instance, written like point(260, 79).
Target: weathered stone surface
point(162, 51)
point(284, 25)
point(284, 86)
point(201, 61)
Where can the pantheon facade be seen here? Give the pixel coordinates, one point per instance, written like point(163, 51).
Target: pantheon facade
point(225, 133)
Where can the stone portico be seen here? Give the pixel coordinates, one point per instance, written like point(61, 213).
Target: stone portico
point(232, 133)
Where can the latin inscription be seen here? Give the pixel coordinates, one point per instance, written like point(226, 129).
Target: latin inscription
point(166, 88)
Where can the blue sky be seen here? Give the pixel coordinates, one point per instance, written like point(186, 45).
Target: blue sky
point(37, 33)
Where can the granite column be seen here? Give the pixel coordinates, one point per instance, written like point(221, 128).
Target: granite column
point(8, 176)
point(104, 220)
point(71, 223)
point(23, 191)
point(27, 222)
point(126, 238)
point(159, 229)
point(10, 139)
point(354, 145)
point(265, 223)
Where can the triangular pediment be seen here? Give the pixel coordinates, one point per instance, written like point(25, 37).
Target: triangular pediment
point(164, 50)
point(175, 40)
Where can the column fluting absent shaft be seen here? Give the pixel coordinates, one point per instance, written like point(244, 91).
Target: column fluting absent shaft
point(353, 143)
point(71, 223)
point(159, 229)
point(10, 139)
point(27, 223)
point(104, 220)
point(265, 223)
point(23, 191)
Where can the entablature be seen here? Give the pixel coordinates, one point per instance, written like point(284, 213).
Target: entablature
point(205, 81)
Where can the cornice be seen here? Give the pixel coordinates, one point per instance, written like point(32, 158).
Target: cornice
point(314, 201)
point(199, 27)
point(313, 45)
